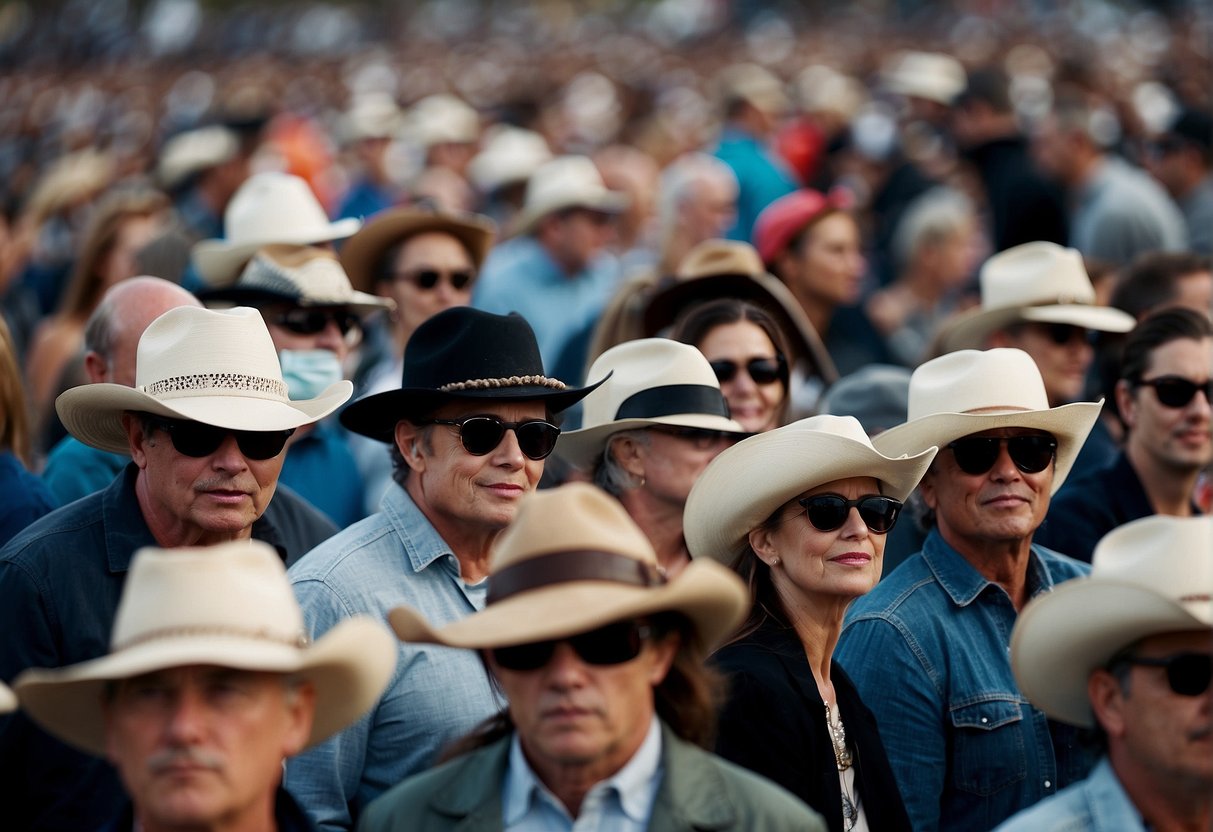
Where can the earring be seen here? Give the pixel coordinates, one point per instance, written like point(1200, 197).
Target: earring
point(774, 561)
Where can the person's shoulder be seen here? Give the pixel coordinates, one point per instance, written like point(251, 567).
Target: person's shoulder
point(51, 535)
point(347, 553)
point(409, 804)
point(1061, 567)
point(897, 589)
point(1065, 811)
point(758, 803)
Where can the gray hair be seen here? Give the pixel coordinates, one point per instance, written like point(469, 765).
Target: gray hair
point(930, 219)
point(679, 179)
point(609, 475)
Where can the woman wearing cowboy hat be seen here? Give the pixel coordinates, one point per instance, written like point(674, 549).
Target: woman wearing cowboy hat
point(801, 513)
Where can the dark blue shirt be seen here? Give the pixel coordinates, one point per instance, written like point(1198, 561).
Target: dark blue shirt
point(23, 497)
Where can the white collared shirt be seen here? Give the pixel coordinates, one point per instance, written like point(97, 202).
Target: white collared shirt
point(620, 803)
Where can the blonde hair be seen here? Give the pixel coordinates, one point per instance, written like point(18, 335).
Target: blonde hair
point(14, 418)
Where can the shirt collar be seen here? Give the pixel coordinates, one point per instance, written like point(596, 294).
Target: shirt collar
point(422, 543)
point(963, 582)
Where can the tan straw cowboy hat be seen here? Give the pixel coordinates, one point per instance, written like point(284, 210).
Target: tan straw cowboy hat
point(566, 182)
point(1148, 577)
point(229, 605)
point(215, 367)
point(746, 483)
point(571, 562)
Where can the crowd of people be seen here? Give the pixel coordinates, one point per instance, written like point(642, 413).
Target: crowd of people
point(669, 418)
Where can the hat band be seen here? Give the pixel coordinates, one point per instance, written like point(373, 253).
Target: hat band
point(206, 382)
point(673, 399)
point(565, 567)
point(510, 381)
point(300, 640)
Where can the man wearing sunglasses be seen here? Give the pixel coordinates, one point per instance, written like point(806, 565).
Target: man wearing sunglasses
point(204, 425)
point(468, 431)
point(927, 648)
point(601, 661)
point(1165, 401)
point(1128, 652)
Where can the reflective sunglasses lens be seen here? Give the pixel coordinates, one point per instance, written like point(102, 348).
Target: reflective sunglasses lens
point(724, 370)
point(764, 370)
point(826, 512)
point(262, 444)
point(1176, 392)
point(879, 513)
point(1031, 454)
point(537, 440)
point(524, 656)
point(481, 434)
point(975, 454)
point(1189, 674)
point(613, 644)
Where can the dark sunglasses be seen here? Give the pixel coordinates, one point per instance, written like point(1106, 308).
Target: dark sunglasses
point(977, 454)
point(828, 512)
point(481, 434)
point(761, 370)
point(311, 321)
point(613, 644)
point(1188, 674)
point(1177, 391)
point(198, 440)
point(700, 438)
point(1062, 334)
point(427, 279)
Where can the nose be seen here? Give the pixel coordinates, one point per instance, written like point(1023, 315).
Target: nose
point(186, 717)
point(508, 454)
point(330, 338)
point(1004, 468)
point(565, 670)
point(854, 528)
point(228, 456)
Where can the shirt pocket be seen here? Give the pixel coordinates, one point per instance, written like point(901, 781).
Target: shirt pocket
point(988, 745)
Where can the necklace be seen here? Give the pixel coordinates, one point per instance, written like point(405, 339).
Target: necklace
point(843, 759)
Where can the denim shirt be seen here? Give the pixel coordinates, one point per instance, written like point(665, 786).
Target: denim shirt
point(929, 651)
point(436, 694)
point(1097, 804)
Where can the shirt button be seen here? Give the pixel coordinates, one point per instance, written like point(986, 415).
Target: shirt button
point(984, 720)
point(1048, 784)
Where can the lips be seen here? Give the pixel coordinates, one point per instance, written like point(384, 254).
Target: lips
point(852, 559)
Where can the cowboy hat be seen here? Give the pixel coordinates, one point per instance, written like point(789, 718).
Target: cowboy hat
point(228, 605)
point(746, 483)
point(215, 367)
point(878, 395)
point(930, 75)
point(462, 353)
point(269, 208)
point(1038, 282)
point(8, 701)
point(572, 561)
point(969, 391)
point(194, 151)
point(1148, 577)
point(652, 382)
point(362, 254)
point(442, 119)
point(510, 155)
point(299, 275)
point(566, 182)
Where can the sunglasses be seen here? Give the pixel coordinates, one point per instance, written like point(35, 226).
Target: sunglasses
point(700, 438)
point(613, 644)
point(1177, 391)
point(761, 370)
point(977, 454)
point(427, 279)
point(1062, 334)
point(481, 434)
point(198, 440)
point(1188, 674)
point(828, 512)
point(312, 321)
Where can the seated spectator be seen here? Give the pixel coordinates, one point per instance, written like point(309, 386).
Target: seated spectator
point(1160, 279)
point(23, 497)
point(1181, 158)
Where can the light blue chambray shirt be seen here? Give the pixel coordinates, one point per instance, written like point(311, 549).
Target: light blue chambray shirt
point(435, 695)
point(621, 803)
point(1097, 804)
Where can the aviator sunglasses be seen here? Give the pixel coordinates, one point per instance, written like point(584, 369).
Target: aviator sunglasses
point(198, 440)
point(977, 454)
point(828, 512)
point(427, 279)
point(312, 321)
point(613, 644)
point(481, 434)
point(761, 370)
point(1177, 391)
point(1188, 674)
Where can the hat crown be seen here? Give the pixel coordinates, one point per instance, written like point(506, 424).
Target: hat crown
point(237, 590)
point(717, 257)
point(443, 118)
point(1035, 274)
point(1169, 556)
point(511, 154)
point(275, 207)
point(970, 381)
point(307, 273)
point(463, 344)
point(565, 182)
point(643, 364)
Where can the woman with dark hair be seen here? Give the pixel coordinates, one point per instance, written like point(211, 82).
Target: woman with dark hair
point(801, 513)
point(748, 354)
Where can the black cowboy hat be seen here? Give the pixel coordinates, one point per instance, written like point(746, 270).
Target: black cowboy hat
point(461, 354)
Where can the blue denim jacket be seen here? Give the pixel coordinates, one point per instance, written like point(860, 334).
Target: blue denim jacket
point(929, 651)
point(436, 694)
point(1097, 804)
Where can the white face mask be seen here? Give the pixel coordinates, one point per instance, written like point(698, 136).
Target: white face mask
point(308, 373)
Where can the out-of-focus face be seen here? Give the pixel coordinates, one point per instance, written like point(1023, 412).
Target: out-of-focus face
point(1195, 291)
point(420, 259)
point(299, 328)
point(577, 237)
point(830, 264)
point(1063, 354)
point(756, 406)
point(674, 458)
point(1176, 439)
point(1051, 149)
point(201, 747)
point(133, 234)
point(709, 209)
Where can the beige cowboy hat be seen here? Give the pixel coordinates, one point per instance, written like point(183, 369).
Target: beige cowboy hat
point(970, 391)
point(1039, 282)
point(362, 253)
point(653, 382)
point(229, 605)
point(215, 367)
point(442, 119)
point(298, 275)
point(754, 84)
point(930, 75)
point(268, 208)
point(1148, 577)
point(746, 483)
point(566, 182)
point(194, 151)
point(510, 155)
point(572, 561)
point(8, 700)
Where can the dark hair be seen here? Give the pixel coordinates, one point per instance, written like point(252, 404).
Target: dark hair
point(1151, 281)
point(753, 570)
point(988, 85)
point(1155, 331)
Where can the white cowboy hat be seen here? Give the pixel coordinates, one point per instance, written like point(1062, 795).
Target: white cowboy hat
point(268, 208)
point(653, 381)
point(566, 182)
point(193, 151)
point(970, 391)
point(930, 75)
point(228, 605)
point(8, 701)
point(746, 483)
point(299, 275)
point(573, 561)
point(1148, 577)
point(442, 118)
point(205, 365)
point(1039, 282)
point(510, 154)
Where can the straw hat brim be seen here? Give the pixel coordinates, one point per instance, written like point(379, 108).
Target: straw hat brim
point(1069, 423)
point(349, 666)
point(708, 594)
point(1061, 637)
point(608, 202)
point(360, 254)
point(219, 262)
point(970, 329)
point(746, 483)
point(93, 412)
point(583, 447)
point(8, 701)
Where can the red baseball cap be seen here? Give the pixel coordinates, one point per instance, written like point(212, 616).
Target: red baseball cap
point(784, 218)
